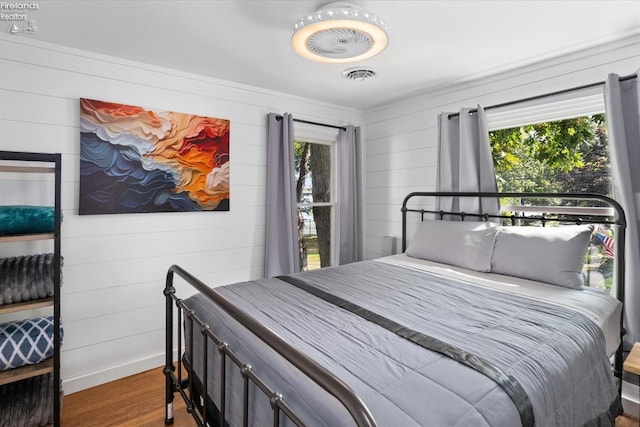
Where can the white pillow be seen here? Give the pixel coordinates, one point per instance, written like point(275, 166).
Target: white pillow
point(467, 244)
point(552, 255)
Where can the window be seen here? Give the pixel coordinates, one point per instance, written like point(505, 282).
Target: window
point(570, 155)
point(315, 162)
point(558, 151)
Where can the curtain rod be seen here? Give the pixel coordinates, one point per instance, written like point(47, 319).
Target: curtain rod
point(545, 95)
point(315, 123)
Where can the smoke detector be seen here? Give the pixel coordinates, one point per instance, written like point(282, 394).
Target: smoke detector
point(359, 74)
point(339, 32)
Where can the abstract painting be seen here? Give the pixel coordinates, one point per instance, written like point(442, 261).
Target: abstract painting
point(134, 160)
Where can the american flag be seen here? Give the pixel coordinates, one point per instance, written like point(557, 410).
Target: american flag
point(607, 242)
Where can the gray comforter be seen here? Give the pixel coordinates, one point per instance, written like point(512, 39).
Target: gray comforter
point(556, 355)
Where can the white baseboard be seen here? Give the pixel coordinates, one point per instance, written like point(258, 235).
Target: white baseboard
point(92, 379)
point(631, 399)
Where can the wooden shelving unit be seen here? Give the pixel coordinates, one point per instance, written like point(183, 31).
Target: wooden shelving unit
point(26, 305)
point(25, 372)
point(26, 237)
point(27, 169)
point(38, 163)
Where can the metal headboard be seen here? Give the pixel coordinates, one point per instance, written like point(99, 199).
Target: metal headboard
point(619, 222)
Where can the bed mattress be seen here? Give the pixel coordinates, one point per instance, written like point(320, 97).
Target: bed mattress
point(599, 306)
point(554, 353)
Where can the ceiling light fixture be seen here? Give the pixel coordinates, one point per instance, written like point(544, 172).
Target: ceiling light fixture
point(339, 32)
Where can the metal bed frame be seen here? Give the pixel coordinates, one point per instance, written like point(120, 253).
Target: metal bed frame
point(195, 392)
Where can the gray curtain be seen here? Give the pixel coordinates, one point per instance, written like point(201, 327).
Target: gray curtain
point(465, 162)
point(623, 121)
point(281, 244)
point(348, 203)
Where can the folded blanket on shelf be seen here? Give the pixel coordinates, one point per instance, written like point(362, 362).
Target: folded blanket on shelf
point(26, 342)
point(27, 403)
point(27, 277)
point(26, 220)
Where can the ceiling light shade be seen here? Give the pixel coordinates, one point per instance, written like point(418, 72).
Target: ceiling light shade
point(339, 32)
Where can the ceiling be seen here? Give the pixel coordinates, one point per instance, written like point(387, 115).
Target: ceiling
point(432, 43)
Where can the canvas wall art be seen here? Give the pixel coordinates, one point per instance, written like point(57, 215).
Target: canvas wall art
point(134, 160)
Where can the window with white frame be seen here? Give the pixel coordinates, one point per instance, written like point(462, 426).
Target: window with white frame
point(558, 145)
point(315, 163)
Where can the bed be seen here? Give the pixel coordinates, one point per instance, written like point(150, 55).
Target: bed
point(476, 323)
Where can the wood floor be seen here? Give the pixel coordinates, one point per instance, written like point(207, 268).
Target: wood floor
point(623, 421)
point(138, 401)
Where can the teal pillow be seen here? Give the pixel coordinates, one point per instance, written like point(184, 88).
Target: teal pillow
point(26, 220)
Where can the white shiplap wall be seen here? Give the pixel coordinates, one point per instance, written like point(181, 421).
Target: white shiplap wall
point(115, 265)
point(400, 152)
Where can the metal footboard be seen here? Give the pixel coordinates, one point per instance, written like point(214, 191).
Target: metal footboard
point(186, 387)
